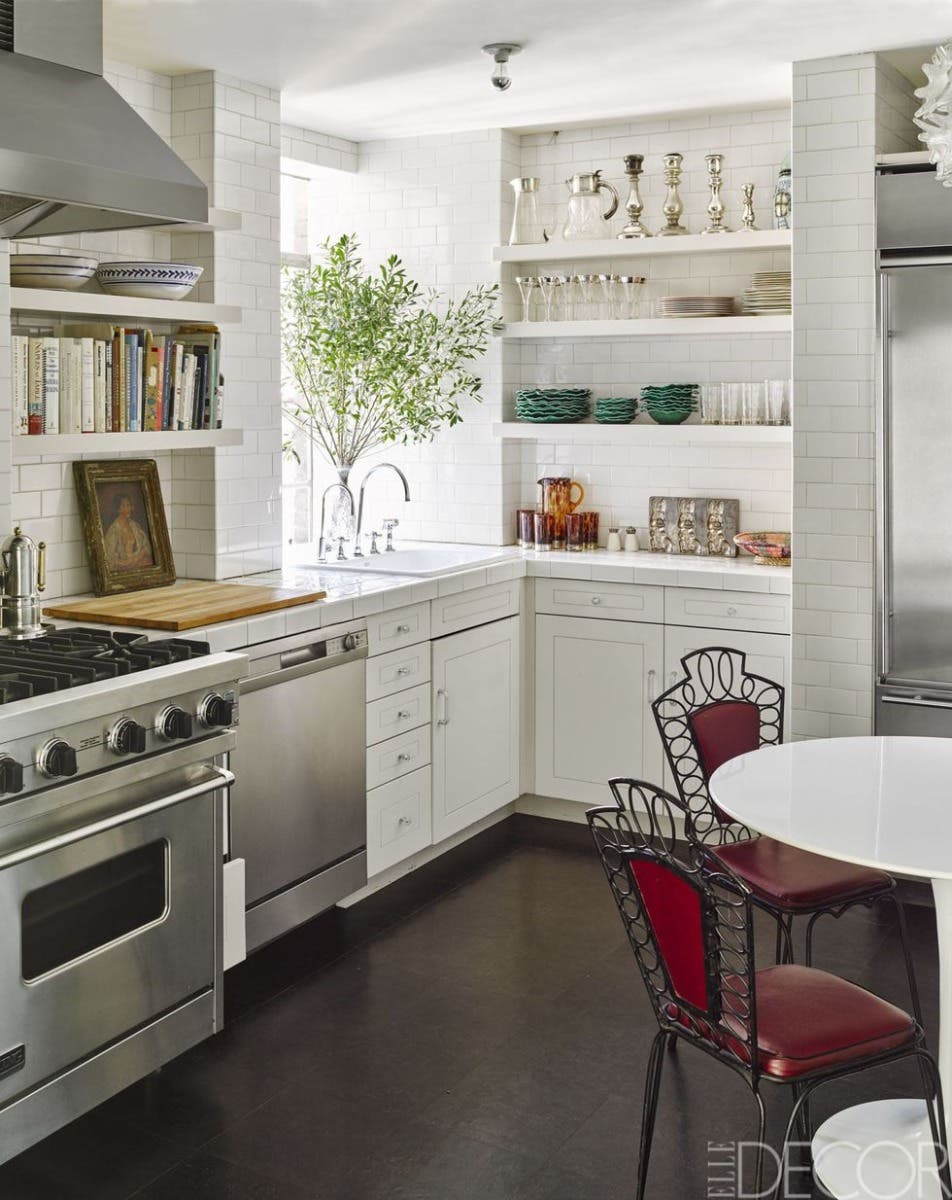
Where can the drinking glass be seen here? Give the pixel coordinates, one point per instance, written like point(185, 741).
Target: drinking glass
point(606, 285)
point(627, 293)
point(591, 530)
point(587, 285)
point(576, 531)
point(732, 403)
point(752, 412)
point(775, 391)
point(548, 287)
point(711, 404)
point(528, 289)
point(543, 530)
point(525, 527)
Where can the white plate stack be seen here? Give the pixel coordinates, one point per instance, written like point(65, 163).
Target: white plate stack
point(696, 306)
point(769, 292)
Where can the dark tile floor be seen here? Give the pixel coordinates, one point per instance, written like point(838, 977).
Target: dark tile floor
point(476, 1032)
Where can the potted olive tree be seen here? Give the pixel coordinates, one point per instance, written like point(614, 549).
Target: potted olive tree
point(371, 357)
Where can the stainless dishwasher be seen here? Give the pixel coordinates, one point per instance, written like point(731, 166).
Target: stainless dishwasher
point(299, 804)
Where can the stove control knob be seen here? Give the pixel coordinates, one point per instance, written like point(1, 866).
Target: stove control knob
point(173, 723)
point(127, 737)
point(349, 641)
point(11, 774)
point(57, 759)
point(215, 712)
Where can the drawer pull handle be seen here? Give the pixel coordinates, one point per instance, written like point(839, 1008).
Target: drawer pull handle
point(731, 611)
point(403, 670)
point(652, 675)
point(403, 756)
point(443, 701)
point(403, 714)
point(596, 599)
point(404, 821)
point(403, 629)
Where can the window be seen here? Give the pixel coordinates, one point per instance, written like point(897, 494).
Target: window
point(298, 469)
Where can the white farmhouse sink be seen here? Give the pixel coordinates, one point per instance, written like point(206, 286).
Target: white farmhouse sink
point(431, 559)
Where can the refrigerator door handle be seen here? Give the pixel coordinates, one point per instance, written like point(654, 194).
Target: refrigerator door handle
point(917, 701)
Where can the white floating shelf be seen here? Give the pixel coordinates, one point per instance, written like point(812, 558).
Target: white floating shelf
point(647, 434)
point(648, 327)
point(905, 158)
point(132, 443)
point(95, 305)
point(653, 247)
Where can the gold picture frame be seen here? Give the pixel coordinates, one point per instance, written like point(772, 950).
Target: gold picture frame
point(123, 517)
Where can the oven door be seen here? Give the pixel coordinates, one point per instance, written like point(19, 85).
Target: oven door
point(108, 923)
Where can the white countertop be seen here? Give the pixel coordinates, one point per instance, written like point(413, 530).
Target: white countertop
point(352, 594)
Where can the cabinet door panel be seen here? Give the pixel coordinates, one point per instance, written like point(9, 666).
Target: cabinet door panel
point(476, 726)
point(594, 684)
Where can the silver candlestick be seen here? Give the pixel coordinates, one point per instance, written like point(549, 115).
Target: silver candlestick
point(673, 205)
point(634, 228)
point(748, 218)
point(715, 210)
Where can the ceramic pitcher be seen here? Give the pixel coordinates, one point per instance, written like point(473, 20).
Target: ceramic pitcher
point(559, 499)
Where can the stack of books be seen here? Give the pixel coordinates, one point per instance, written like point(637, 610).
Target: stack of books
point(99, 378)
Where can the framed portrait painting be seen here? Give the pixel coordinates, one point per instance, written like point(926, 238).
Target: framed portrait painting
point(127, 538)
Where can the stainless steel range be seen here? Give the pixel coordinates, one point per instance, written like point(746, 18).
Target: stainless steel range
point(113, 794)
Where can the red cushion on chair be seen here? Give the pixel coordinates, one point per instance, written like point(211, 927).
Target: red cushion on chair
point(724, 730)
point(791, 878)
point(674, 909)
point(808, 1019)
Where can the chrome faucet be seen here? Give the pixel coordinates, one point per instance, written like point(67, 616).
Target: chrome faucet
point(322, 543)
point(358, 553)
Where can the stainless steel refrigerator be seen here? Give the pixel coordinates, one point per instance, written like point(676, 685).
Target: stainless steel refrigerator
point(914, 476)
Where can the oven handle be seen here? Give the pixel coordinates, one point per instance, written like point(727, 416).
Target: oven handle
point(222, 779)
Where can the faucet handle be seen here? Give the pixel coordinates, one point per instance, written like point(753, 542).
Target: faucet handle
point(340, 549)
point(374, 534)
point(390, 525)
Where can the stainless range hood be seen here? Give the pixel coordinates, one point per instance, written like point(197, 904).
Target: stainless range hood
point(74, 156)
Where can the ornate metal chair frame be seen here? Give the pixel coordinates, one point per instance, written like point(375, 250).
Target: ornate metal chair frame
point(714, 675)
point(642, 827)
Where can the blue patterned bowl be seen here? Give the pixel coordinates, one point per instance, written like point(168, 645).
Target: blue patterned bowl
point(149, 280)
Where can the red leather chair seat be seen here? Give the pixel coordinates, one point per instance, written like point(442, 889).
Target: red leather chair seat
point(808, 1019)
point(791, 878)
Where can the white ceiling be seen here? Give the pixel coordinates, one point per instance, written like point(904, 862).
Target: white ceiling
point(373, 68)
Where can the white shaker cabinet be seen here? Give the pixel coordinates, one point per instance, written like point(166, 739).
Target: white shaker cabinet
point(595, 680)
point(475, 702)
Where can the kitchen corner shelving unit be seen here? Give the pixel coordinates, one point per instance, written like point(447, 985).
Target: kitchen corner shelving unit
point(26, 304)
point(618, 250)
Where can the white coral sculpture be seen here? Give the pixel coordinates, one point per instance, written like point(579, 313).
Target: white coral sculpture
point(934, 116)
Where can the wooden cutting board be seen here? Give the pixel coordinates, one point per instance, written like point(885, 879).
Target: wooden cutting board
point(187, 605)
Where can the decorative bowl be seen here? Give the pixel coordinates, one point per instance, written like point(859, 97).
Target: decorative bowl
point(61, 272)
point(769, 549)
point(149, 280)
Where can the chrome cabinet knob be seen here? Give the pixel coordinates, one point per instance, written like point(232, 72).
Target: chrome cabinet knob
point(403, 670)
point(596, 599)
point(404, 757)
point(403, 629)
point(731, 611)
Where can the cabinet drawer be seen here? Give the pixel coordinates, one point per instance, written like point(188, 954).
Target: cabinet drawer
point(398, 756)
point(463, 610)
point(404, 668)
point(402, 627)
point(398, 713)
point(752, 611)
point(399, 821)
point(610, 601)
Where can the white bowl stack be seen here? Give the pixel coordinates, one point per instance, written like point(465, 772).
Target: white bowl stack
point(62, 272)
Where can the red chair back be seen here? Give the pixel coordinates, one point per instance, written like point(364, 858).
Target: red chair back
point(723, 730)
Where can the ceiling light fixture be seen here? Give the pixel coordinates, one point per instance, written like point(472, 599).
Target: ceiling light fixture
point(934, 117)
point(501, 52)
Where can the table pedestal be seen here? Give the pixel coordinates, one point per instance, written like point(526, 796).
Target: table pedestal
point(883, 1150)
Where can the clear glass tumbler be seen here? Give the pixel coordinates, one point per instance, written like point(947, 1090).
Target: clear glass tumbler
point(732, 403)
point(753, 404)
point(775, 401)
point(711, 403)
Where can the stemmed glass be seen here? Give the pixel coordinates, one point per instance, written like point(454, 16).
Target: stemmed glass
point(527, 285)
point(607, 286)
point(586, 285)
point(550, 285)
point(626, 291)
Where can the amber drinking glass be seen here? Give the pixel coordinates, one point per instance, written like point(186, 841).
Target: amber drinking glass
point(525, 527)
point(543, 530)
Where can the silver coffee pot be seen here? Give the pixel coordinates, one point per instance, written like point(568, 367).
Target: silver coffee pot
point(22, 578)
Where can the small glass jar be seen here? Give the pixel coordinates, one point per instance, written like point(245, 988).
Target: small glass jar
point(543, 530)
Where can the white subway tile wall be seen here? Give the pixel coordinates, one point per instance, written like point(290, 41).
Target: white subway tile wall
point(318, 149)
point(846, 110)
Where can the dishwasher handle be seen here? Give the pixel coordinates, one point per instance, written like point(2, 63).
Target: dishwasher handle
point(293, 664)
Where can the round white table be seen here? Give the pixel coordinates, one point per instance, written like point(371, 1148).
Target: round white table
point(879, 802)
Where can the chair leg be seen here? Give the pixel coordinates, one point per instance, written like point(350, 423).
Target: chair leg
point(936, 1110)
point(652, 1087)
point(761, 1137)
point(672, 1042)
point(801, 1098)
point(787, 926)
point(907, 955)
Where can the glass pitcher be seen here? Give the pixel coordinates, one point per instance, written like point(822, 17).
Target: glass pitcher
point(586, 218)
point(527, 228)
point(558, 499)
